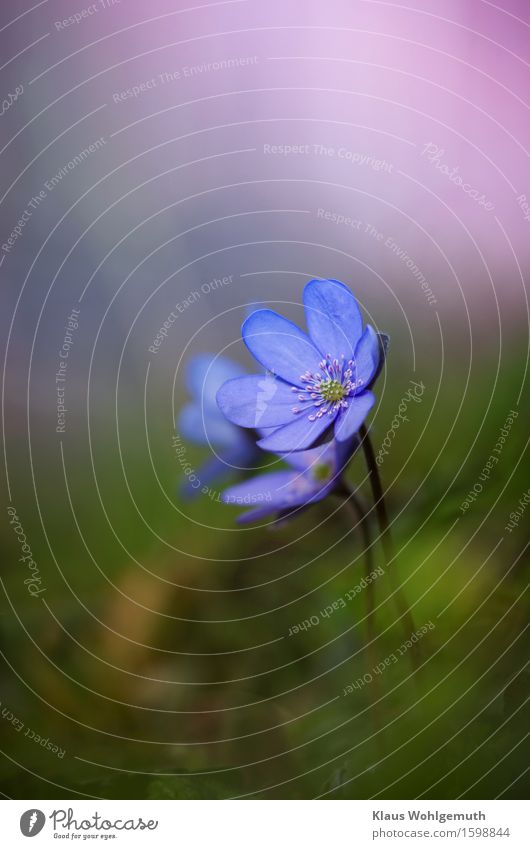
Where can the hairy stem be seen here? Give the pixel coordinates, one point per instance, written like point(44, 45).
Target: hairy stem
point(354, 504)
point(386, 537)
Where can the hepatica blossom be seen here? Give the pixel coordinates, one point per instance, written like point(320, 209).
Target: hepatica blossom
point(314, 474)
point(318, 385)
point(202, 422)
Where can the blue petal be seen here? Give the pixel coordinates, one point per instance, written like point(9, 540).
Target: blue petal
point(254, 515)
point(242, 454)
point(205, 373)
point(270, 491)
point(206, 427)
point(288, 511)
point(350, 420)
point(305, 460)
point(280, 346)
point(274, 492)
point(213, 469)
point(334, 454)
point(264, 431)
point(345, 451)
point(258, 401)
point(333, 317)
point(216, 469)
point(367, 356)
point(296, 436)
point(384, 344)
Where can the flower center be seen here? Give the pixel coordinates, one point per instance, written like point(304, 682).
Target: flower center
point(332, 390)
point(321, 472)
point(327, 391)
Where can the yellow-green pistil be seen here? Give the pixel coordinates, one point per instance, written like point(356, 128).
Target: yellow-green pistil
point(327, 390)
point(332, 390)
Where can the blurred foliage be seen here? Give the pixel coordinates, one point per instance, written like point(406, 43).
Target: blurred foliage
point(159, 657)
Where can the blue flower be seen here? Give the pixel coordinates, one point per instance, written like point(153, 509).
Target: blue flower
point(317, 385)
point(202, 423)
point(314, 474)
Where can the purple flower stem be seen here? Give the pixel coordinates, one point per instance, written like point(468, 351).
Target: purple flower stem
point(386, 540)
point(354, 504)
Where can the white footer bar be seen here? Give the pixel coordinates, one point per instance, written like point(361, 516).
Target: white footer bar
point(256, 824)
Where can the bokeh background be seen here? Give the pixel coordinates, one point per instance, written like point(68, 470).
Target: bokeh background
point(237, 149)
